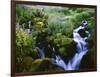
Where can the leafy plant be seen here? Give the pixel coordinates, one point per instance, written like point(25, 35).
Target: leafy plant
point(51, 27)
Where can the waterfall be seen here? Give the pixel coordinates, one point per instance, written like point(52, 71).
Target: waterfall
point(74, 62)
point(29, 26)
point(58, 61)
point(41, 52)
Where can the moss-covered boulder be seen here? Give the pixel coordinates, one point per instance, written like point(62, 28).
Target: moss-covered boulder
point(67, 50)
point(62, 51)
point(27, 62)
point(66, 41)
point(41, 65)
point(33, 53)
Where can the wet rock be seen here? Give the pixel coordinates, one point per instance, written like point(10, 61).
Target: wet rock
point(41, 65)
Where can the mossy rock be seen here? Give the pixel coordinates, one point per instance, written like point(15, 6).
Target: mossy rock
point(58, 69)
point(56, 41)
point(58, 34)
point(62, 51)
point(40, 24)
point(27, 61)
point(33, 53)
point(66, 41)
point(44, 30)
point(61, 39)
point(50, 38)
point(67, 50)
point(41, 65)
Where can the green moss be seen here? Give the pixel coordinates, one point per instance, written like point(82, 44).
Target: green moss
point(41, 65)
point(27, 61)
point(63, 51)
point(66, 41)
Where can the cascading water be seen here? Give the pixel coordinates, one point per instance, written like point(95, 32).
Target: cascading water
point(41, 52)
point(75, 61)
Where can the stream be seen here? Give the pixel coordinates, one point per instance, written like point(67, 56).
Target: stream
point(74, 62)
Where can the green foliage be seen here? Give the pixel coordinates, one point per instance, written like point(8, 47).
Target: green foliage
point(81, 14)
point(59, 23)
point(63, 51)
point(23, 42)
point(22, 15)
point(50, 25)
point(27, 61)
point(24, 45)
point(60, 40)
